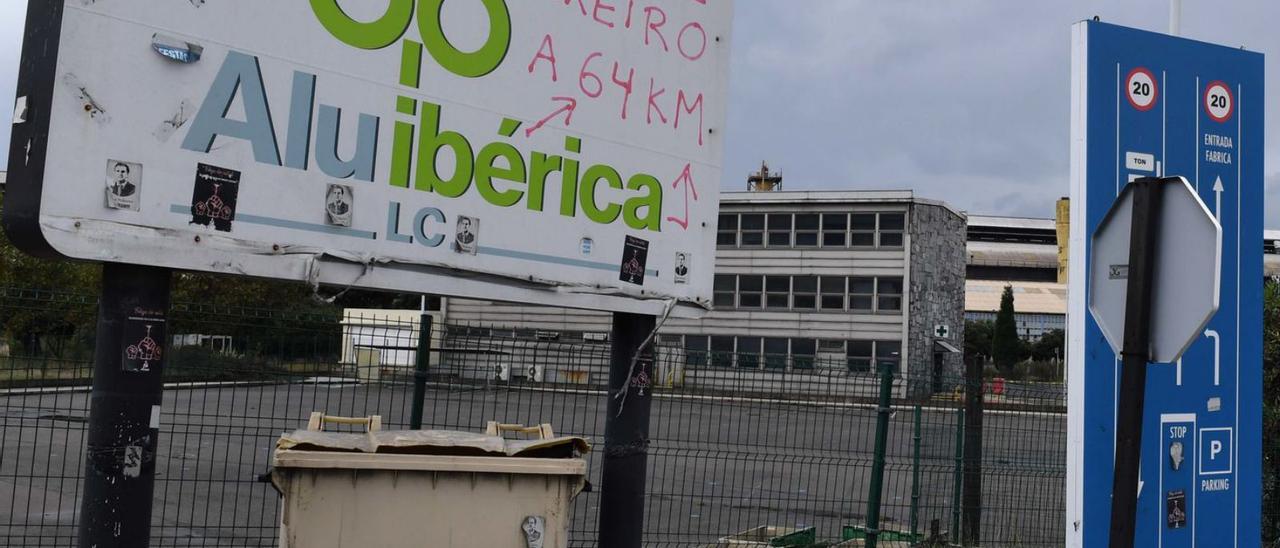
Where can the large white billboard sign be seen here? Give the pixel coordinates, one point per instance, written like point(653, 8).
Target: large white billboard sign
point(543, 151)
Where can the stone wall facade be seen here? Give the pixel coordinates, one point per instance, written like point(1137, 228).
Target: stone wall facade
point(937, 274)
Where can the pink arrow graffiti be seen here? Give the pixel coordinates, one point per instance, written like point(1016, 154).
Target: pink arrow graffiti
point(570, 105)
point(685, 177)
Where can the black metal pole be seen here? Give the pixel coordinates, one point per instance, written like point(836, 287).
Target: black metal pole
point(877, 463)
point(1135, 353)
point(420, 366)
point(972, 506)
point(124, 416)
point(626, 432)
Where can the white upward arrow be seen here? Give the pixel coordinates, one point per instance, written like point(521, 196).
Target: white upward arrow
point(1217, 351)
point(1217, 190)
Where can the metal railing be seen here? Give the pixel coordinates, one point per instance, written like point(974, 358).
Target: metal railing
point(732, 448)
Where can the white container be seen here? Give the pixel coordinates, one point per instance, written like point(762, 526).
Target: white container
point(335, 498)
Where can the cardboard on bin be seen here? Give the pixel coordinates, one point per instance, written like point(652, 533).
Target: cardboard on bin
point(432, 442)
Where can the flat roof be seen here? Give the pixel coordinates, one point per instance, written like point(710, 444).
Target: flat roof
point(1028, 297)
point(1012, 222)
point(830, 197)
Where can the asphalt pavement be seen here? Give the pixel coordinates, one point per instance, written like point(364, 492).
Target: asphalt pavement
point(716, 465)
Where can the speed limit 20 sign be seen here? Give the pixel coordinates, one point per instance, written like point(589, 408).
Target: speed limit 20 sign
point(1141, 89)
point(1218, 101)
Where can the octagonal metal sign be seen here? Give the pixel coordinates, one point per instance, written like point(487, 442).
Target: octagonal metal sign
point(1187, 270)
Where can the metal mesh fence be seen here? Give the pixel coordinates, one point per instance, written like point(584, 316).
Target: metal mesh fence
point(737, 442)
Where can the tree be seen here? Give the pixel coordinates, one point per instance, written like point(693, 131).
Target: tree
point(42, 311)
point(977, 340)
point(1049, 347)
point(1270, 411)
point(1006, 347)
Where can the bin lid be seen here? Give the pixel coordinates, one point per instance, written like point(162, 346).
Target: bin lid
point(432, 442)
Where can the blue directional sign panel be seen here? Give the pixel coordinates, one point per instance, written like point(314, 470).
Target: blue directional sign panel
point(1147, 104)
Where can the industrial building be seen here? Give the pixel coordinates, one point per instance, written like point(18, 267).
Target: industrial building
point(809, 286)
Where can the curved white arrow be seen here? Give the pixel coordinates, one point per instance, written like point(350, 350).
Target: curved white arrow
point(1217, 350)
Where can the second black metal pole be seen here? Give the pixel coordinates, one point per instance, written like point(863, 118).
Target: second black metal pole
point(421, 364)
point(971, 521)
point(1136, 354)
point(124, 413)
point(626, 432)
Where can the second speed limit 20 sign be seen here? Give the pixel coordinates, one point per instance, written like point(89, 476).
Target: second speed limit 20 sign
point(1141, 89)
point(1218, 102)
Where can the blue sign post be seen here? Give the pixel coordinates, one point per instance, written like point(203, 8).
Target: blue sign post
point(1151, 105)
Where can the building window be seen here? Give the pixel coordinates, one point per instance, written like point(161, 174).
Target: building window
point(775, 353)
point(728, 232)
point(889, 294)
point(860, 355)
point(724, 287)
point(891, 228)
point(752, 226)
point(780, 230)
point(863, 230)
point(776, 290)
point(802, 353)
point(832, 292)
point(888, 353)
point(695, 350)
point(721, 351)
point(807, 230)
point(749, 352)
point(862, 294)
point(835, 229)
point(750, 291)
point(804, 292)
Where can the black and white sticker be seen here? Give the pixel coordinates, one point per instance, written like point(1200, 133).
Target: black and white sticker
point(684, 264)
point(635, 256)
point(213, 200)
point(338, 203)
point(467, 236)
point(144, 333)
point(124, 184)
point(1176, 506)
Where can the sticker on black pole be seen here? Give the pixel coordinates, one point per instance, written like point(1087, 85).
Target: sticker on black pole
point(635, 255)
point(144, 332)
point(214, 198)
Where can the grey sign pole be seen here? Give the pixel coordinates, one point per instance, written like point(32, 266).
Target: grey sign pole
point(1136, 354)
point(124, 414)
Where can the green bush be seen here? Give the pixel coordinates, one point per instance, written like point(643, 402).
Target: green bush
point(1044, 371)
point(196, 363)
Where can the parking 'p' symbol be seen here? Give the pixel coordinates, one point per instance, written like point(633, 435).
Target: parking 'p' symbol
point(1216, 453)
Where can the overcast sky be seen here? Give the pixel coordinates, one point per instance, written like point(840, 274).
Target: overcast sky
point(964, 101)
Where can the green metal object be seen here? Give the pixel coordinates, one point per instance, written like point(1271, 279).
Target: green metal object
point(882, 441)
point(420, 366)
point(915, 472)
point(854, 532)
point(767, 535)
point(959, 475)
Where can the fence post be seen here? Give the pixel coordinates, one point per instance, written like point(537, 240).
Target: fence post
point(972, 525)
point(420, 366)
point(124, 413)
point(626, 431)
point(959, 477)
point(915, 474)
point(882, 442)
